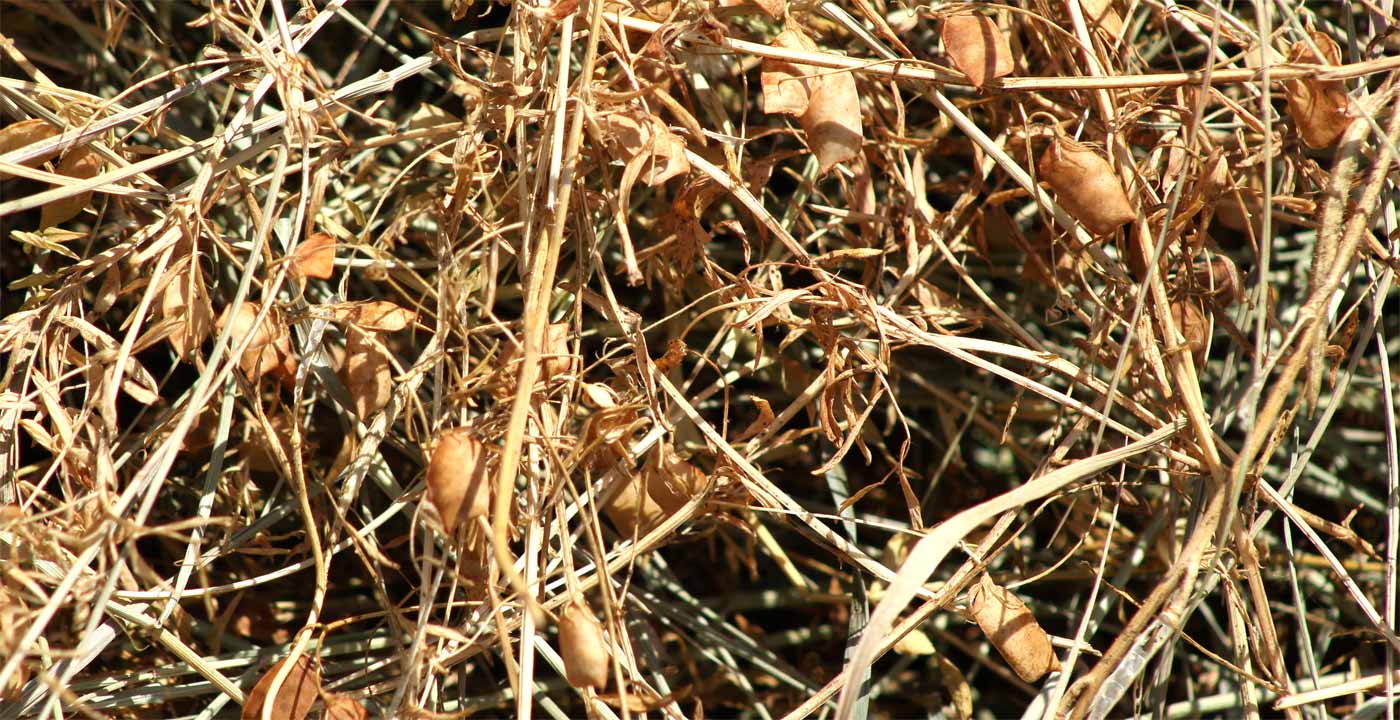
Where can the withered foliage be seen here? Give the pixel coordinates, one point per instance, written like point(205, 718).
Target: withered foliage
point(592, 358)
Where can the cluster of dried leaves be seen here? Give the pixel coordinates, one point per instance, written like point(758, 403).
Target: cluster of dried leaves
point(611, 358)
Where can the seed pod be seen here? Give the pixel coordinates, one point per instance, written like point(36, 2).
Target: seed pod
point(1085, 186)
point(293, 700)
point(79, 164)
point(187, 301)
point(315, 256)
point(647, 498)
point(458, 481)
point(977, 47)
point(633, 511)
point(367, 373)
point(341, 707)
point(1318, 107)
point(1012, 629)
point(582, 646)
point(674, 483)
point(1101, 15)
point(25, 133)
point(1220, 279)
point(1191, 322)
point(556, 357)
point(269, 341)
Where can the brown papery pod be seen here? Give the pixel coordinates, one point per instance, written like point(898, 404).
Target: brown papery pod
point(1099, 14)
point(785, 85)
point(1085, 185)
point(832, 120)
point(1012, 629)
point(633, 510)
point(977, 47)
point(1191, 322)
point(293, 700)
point(269, 341)
point(1220, 279)
point(315, 256)
point(458, 480)
point(341, 707)
point(80, 164)
point(1318, 107)
point(674, 483)
point(556, 357)
point(25, 133)
point(582, 646)
point(367, 373)
point(187, 302)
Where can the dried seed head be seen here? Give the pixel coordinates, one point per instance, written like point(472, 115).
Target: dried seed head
point(293, 700)
point(1012, 629)
point(977, 47)
point(458, 478)
point(582, 646)
point(1086, 186)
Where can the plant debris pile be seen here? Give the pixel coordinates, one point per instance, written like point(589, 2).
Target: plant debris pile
point(613, 359)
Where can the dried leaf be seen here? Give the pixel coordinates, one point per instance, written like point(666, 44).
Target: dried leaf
point(582, 646)
point(458, 481)
point(1012, 629)
point(977, 47)
point(367, 372)
point(293, 700)
point(377, 315)
point(315, 256)
point(80, 164)
point(1086, 186)
point(1320, 108)
point(760, 423)
point(24, 133)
